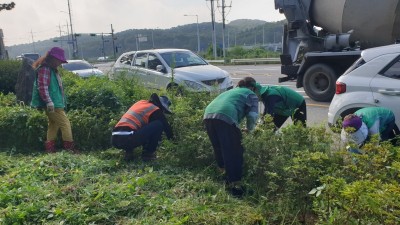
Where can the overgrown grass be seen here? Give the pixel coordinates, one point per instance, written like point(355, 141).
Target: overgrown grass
point(99, 188)
point(295, 176)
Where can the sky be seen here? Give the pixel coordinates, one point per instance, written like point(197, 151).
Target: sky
point(36, 20)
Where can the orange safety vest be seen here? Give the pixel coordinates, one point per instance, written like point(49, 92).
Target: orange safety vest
point(138, 115)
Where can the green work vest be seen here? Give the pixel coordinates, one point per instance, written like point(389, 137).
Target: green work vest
point(291, 100)
point(55, 92)
point(370, 115)
point(231, 104)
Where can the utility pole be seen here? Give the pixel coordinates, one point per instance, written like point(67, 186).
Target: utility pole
point(223, 26)
point(103, 50)
point(74, 42)
point(152, 37)
point(33, 43)
point(61, 41)
point(263, 36)
point(69, 48)
point(113, 43)
point(214, 39)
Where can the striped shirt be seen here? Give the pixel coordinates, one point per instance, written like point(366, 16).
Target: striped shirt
point(43, 82)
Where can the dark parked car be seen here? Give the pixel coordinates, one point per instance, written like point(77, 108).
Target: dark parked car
point(32, 56)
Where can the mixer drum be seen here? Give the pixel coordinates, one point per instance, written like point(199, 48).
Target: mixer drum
point(374, 22)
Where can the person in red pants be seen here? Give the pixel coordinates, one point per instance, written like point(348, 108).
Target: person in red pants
point(143, 125)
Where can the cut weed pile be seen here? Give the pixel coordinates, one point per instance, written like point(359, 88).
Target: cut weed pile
point(102, 189)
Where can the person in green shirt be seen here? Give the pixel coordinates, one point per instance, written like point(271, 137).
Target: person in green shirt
point(281, 103)
point(222, 119)
point(48, 94)
point(368, 121)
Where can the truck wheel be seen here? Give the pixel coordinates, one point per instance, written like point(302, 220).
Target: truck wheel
point(319, 82)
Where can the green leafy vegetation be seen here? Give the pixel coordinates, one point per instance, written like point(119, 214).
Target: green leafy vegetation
point(8, 75)
point(294, 176)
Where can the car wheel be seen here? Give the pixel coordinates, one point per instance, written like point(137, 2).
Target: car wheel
point(338, 123)
point(319, 82)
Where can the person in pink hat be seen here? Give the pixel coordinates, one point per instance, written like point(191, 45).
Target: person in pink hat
point(48, 94)
point(369, 121)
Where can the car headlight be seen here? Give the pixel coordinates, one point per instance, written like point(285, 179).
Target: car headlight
point(194, 85)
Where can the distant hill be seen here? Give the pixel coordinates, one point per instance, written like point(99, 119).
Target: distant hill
point(243, 32)
point(243, 24)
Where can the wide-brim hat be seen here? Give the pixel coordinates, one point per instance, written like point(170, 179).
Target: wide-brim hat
point(358, 136)
point(165, 102)
point(58, 53)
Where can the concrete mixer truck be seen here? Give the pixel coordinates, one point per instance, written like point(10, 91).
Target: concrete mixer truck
point(322, 38)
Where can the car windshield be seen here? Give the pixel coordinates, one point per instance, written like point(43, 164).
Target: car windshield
point(182, 59)
point(81, 65)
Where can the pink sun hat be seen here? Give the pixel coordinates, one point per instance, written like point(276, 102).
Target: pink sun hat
point(58, 53)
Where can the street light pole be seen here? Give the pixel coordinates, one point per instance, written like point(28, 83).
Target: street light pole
point(198, 33)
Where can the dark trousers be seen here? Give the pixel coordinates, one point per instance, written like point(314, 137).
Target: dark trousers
point(300, 115)
point(390, 131)
point(148, 136)
point(226, 140)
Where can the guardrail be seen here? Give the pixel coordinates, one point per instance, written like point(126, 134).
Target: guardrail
point(255, 60)
point(247, 61)
point(215, 61)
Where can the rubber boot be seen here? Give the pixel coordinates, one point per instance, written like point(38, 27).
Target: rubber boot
point(70, 146)
point(50, 146)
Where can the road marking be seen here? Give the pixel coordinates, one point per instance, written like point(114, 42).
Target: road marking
point(318, 105)
point(262, 69)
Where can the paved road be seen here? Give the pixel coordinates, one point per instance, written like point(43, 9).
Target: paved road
point(267, 75)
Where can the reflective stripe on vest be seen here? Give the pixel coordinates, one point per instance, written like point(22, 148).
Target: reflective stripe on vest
point(138, 115)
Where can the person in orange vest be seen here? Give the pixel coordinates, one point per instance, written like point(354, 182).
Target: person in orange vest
point(143, 125)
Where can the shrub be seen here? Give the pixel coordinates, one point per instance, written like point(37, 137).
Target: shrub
point(7, 99)
point(364, 190)
point(284, 166)
point(22, 128)
point(91, 127)
point(8, 75)
point(93, 92)
point(187, 123)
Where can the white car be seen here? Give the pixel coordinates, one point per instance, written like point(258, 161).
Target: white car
point(372, 81)
point(82, 68)
point(166, 68)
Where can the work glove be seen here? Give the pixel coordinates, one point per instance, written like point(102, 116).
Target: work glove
point(50, 107)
